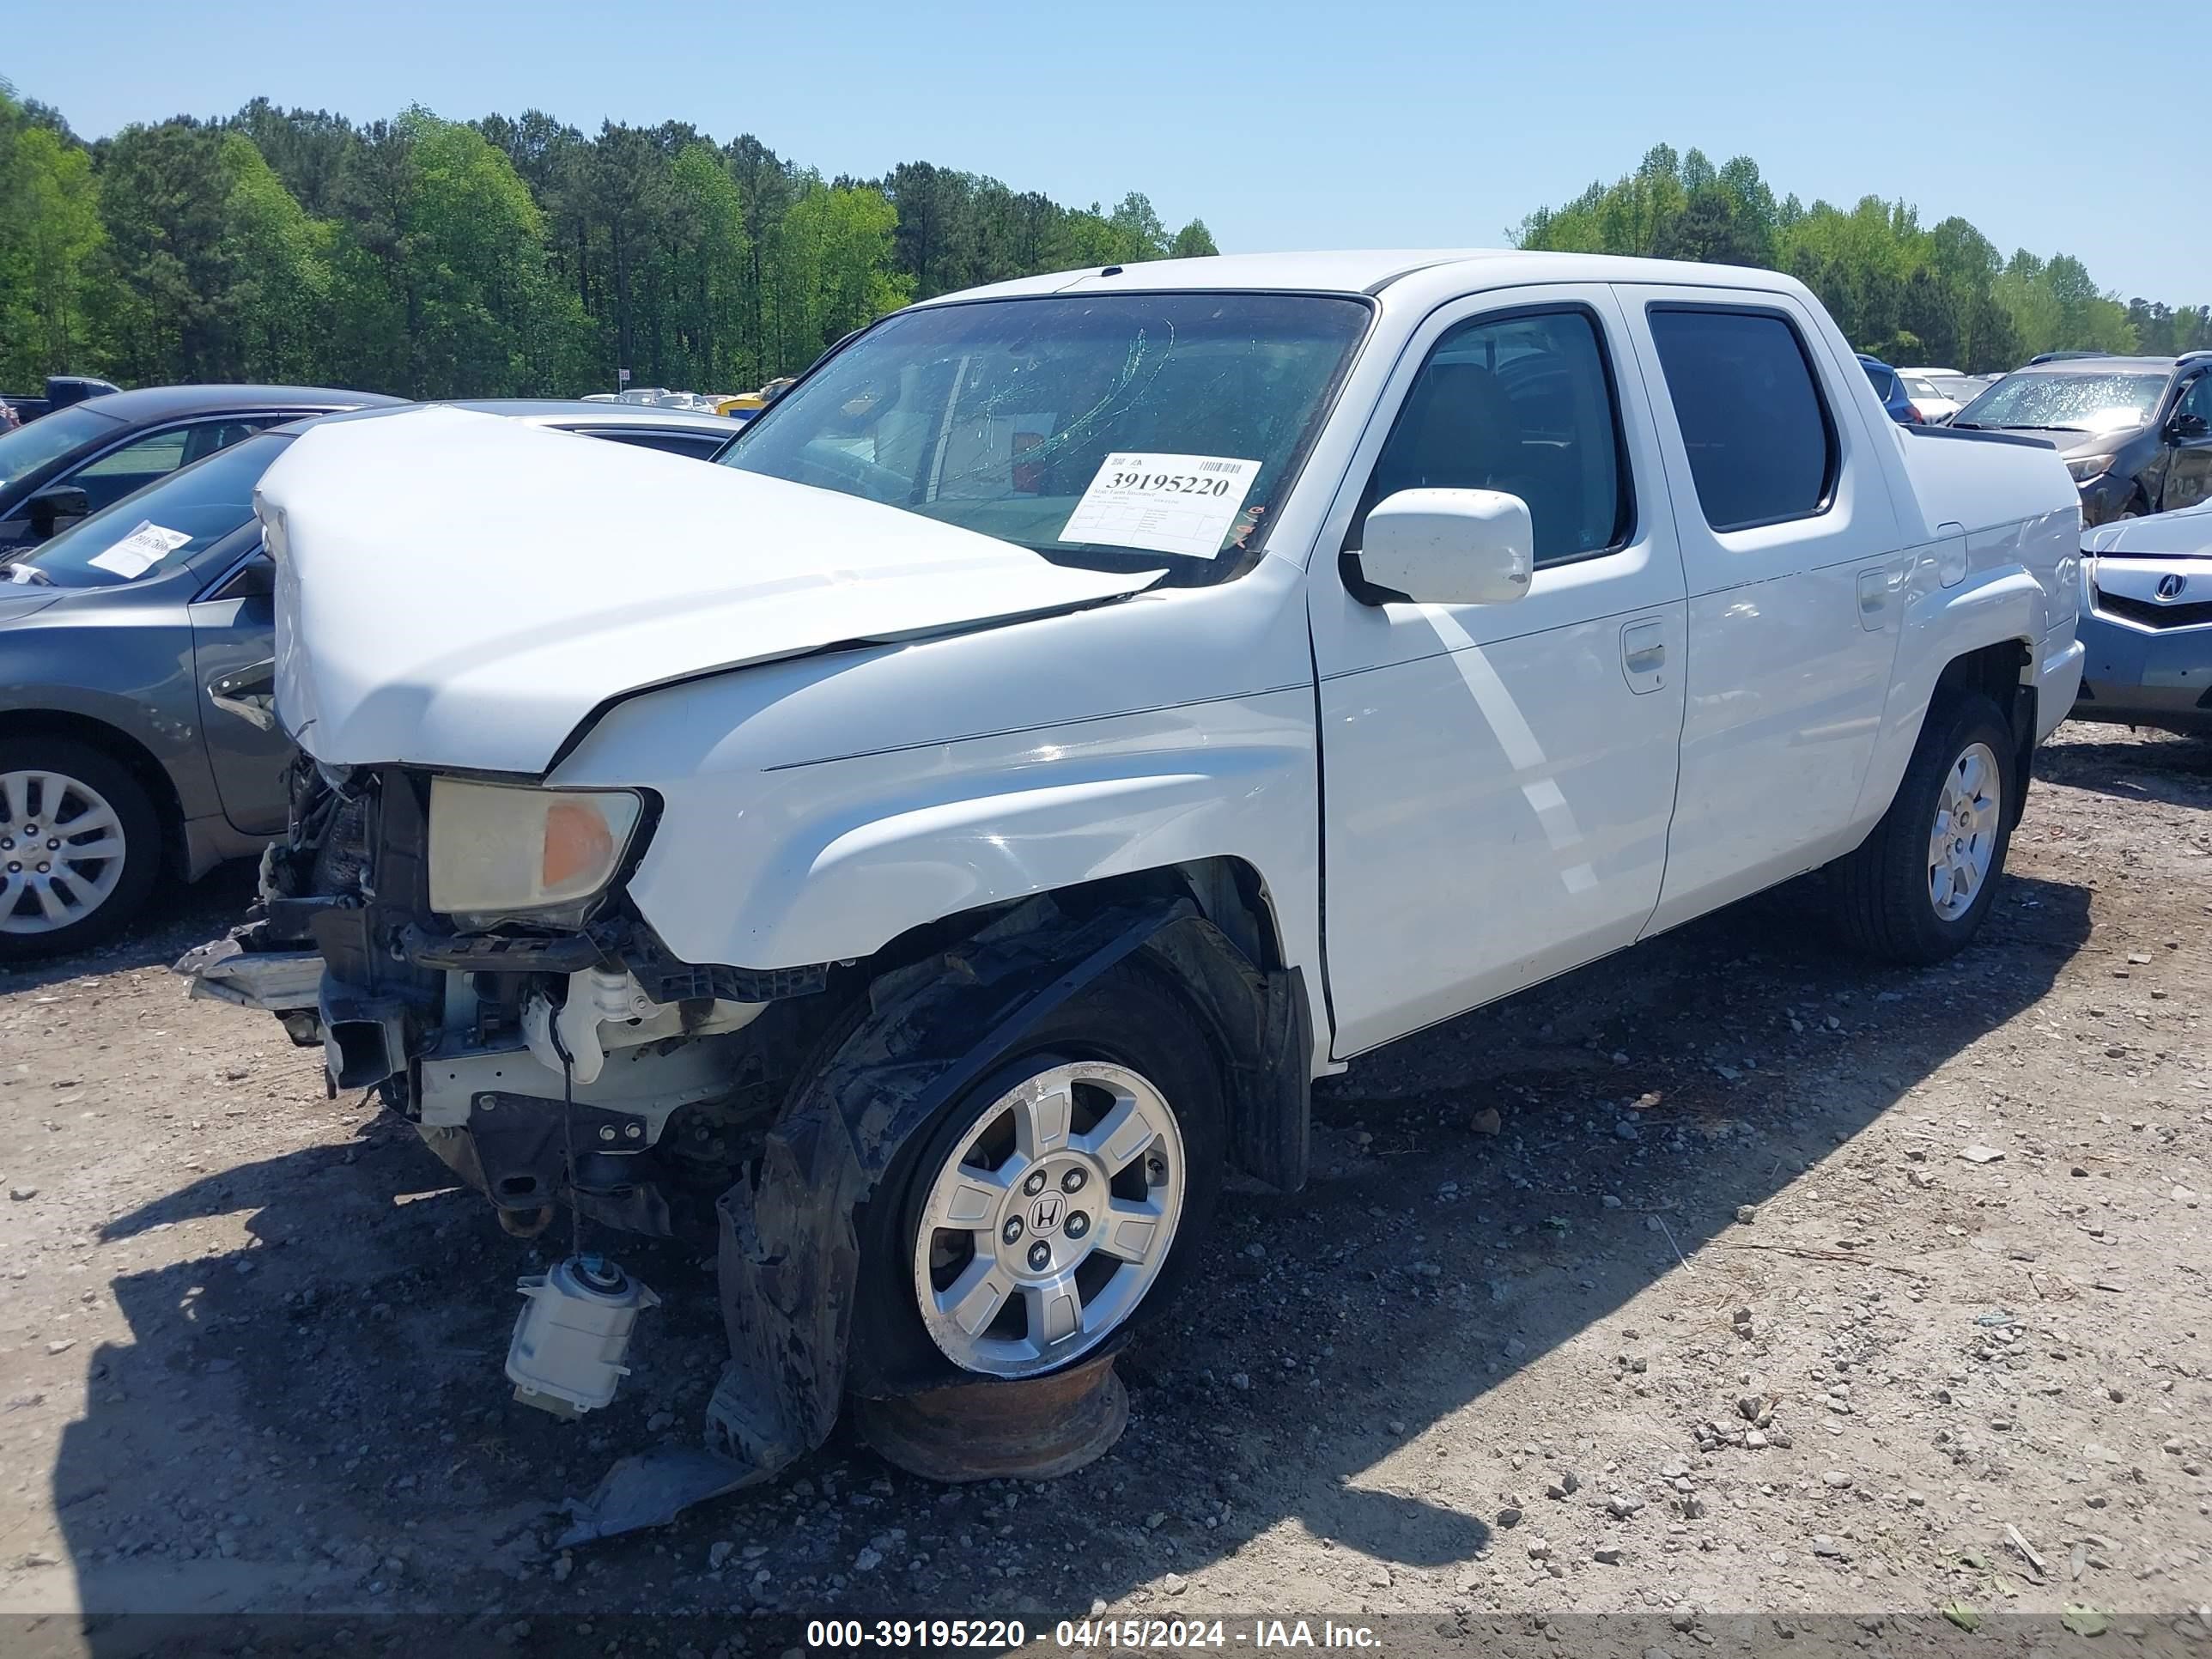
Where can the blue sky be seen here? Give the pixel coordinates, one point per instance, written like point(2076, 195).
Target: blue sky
point(1290, 124)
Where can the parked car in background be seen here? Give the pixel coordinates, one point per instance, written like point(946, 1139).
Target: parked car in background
point(904, 842)
point(2147, 623)
point(61, 390)
point(675, 431)
point(1933, 396)
point(135, 649)
point(1890, 390)
point(69, 465)
point(2136, 432)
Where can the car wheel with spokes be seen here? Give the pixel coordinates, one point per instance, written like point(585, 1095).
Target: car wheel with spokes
point(1055, 1202)
point(1049, 1220)
point(1917, 888)
point(79, 846)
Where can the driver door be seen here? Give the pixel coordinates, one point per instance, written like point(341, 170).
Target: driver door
point(1498, 779)
point(2189, 433)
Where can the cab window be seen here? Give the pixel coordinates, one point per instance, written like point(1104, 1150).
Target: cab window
point(1523, 404)
point(1761, 445)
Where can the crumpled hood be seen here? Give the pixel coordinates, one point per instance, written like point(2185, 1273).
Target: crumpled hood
point(456, 589)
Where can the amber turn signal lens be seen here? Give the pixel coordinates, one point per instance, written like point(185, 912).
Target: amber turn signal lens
point(578, 843)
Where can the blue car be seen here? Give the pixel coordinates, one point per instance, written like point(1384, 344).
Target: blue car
point(1890, 389)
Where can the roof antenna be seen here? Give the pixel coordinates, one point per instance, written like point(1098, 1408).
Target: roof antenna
point(1111, 271)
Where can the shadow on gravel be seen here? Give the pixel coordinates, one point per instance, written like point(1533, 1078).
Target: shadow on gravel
point(321, 1422)
point(176, 919)
point(2174, 770)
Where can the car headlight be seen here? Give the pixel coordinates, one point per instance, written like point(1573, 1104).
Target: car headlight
point(499, 850)
point(2089, 466)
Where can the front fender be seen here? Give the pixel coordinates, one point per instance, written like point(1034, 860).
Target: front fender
point(829, 862)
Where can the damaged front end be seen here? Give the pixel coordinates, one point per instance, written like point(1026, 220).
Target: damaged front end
point(570, 1060)
point(752, 1115)
point(503, 1040)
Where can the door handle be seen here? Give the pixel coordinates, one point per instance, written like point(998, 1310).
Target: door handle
point(250, 693)
point(1873, 599)
point(1644, 655)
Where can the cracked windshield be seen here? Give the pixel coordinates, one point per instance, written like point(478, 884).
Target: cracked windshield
point(2065, 403)
point(1096, 431)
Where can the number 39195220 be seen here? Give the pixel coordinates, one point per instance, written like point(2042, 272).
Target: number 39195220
point(1168, 484)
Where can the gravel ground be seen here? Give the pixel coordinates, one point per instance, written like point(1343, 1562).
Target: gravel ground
point(1724, 1276)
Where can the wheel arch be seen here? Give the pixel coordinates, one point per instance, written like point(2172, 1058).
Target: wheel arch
point(120, 746)
point(1211, 925)
point(1981, 637)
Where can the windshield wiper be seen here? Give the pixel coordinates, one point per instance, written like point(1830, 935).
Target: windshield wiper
point(2030, 425)
point(25, 575)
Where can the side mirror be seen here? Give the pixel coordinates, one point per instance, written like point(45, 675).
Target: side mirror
point(54, 504)
point(1444, 547)
point(2183, 427)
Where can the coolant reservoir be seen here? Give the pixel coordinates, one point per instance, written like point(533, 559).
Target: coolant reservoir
point(566, 1354)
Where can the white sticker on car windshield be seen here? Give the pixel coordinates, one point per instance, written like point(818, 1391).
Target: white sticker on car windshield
point(1162, 503)
point(146, 546)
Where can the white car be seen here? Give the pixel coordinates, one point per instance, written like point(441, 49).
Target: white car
point(1939, 393)
point(933, 848)
point(2146, 623)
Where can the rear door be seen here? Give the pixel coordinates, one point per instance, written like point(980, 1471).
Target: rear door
point(1795, 583)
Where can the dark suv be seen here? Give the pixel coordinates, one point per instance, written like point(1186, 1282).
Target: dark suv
point(2136, 432)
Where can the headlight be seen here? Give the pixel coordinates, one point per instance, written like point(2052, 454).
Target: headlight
point(2088, 467)
point(503, 850)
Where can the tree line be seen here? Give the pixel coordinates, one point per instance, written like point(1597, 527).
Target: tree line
point(1940, 295)
point(500, 257)
point(519, 256)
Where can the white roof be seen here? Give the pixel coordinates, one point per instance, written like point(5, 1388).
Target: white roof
point(1356, 272)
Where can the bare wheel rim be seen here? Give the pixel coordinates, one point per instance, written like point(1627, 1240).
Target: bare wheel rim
point(1050, 1220)
point(61, 851)
point(1964, 841)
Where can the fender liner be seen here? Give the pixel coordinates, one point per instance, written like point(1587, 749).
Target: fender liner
point(789, 1259)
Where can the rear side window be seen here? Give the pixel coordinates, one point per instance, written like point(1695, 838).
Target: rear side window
point(1761, 444)
point(1523, 404)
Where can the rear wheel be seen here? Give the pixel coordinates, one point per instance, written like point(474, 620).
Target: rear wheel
point(1917, 890)
point(79, 846)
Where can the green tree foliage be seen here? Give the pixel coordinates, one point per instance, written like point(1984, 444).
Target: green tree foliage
point(1904, 293)
point(510, 256)
point(50, 235)
point(831, 268)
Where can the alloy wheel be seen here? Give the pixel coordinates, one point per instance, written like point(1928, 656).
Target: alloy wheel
point(1045, 1227)
point(1963, 843)
point(62, 851)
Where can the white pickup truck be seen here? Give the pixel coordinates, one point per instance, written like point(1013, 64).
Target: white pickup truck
point(918, 857)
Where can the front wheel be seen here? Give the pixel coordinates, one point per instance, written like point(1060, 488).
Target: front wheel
point(79, 846)
point(1059, 1199)
point(1919, 887)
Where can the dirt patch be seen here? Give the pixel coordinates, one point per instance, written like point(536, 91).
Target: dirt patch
point(1832, 1289)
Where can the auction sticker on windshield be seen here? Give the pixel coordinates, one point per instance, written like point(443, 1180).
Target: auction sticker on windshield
point(146, 546)
point(1162, 503)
